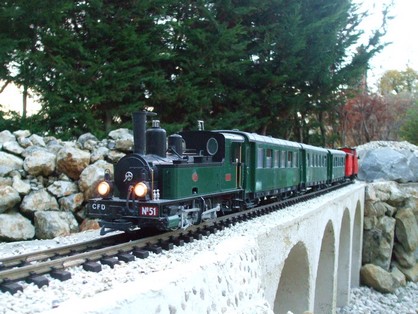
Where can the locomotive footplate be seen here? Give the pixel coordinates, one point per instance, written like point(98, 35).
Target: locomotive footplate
point(119, 214)
point(115, 208)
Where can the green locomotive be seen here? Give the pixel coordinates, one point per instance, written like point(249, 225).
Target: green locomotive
point(203, 174)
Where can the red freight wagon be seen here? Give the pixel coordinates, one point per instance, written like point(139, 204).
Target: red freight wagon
point(351, 162)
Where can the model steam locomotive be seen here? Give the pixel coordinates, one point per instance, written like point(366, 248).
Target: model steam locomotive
point(202, 174)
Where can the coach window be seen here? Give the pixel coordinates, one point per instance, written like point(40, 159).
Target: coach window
point(260, 157)
point(295, 160)
point(268, 158)
point(276, 159)
point(282, 159)
point(289, 159)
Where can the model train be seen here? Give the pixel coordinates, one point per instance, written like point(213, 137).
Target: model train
point(203, 174)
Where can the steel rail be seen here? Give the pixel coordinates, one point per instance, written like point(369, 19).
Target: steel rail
point(14, 261)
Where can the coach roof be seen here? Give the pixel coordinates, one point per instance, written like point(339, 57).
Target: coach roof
point(256, 138)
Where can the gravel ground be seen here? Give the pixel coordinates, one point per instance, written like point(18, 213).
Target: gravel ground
point(365, 300)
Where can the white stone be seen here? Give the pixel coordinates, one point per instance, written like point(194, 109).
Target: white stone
point(9, 197)
point(8, 163)
point(39, 162)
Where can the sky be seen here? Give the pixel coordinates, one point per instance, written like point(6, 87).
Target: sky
point(402, 52)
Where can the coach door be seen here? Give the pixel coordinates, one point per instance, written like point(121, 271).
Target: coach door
point(237, 157)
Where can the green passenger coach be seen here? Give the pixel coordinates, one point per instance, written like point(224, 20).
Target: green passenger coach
point(314, 166)
point(336, 166)
point(270, 166)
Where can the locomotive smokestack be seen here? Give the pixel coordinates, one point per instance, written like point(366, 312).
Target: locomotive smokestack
point(139, 120)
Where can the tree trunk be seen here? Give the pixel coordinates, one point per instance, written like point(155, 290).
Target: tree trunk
point(322, 128)
point(108, 121)
point(24, 106)
point(4, 86)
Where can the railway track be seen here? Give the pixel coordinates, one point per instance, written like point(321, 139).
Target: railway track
point(114, 249)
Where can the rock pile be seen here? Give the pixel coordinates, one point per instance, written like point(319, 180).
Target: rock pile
point(44, 182)
point(389, 161)
point(390, 239)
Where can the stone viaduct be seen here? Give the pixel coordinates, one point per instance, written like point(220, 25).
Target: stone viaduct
point(302, 259)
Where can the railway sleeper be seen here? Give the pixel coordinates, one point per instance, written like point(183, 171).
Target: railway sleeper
point(187, 238)
point(38, 280)
point(11, 287)
point(110, 261)
point(154, 248)
point(61, 275)
point(166, 245)
point(178, 242)
point(126, 257)
point(92, 266)
point(140, 253)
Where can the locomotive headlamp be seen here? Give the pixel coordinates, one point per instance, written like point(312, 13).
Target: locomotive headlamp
point(104, 189)
point(141, 189)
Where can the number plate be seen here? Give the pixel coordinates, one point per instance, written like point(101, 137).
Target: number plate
point(149, 211)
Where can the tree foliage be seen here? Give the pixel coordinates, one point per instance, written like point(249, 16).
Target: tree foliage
point(371, 117)
point(409, 130)
point(271, 66)
point(399, 89)
point(397, 82)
